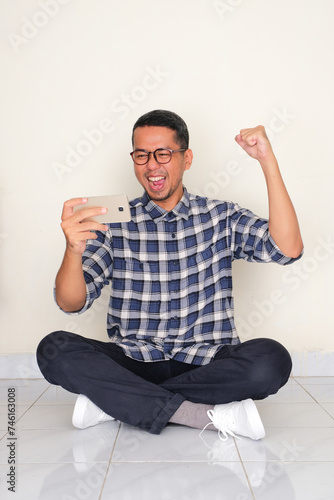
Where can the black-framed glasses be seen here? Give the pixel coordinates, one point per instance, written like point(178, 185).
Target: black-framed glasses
point(161, 155)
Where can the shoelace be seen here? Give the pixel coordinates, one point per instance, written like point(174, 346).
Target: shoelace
point(223, 423)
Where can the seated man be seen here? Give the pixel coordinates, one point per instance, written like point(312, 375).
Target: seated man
point(173, 353)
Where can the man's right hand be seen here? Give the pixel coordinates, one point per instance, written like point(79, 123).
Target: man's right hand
point(75, 227)
point(70, 282)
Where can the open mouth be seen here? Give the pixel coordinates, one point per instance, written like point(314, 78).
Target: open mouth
point(156, 182)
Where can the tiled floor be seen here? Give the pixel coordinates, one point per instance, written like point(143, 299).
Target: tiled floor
point(295, 461)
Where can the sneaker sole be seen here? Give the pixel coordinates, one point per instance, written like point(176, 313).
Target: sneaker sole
point(254, 420)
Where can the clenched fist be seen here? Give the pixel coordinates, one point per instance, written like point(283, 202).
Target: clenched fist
point(255, 142)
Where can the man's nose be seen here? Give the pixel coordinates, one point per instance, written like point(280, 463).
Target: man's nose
point(152, 162)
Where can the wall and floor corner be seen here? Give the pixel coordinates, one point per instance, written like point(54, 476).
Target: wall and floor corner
point(78, 74)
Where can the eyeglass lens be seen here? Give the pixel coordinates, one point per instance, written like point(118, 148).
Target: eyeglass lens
point(161, 155)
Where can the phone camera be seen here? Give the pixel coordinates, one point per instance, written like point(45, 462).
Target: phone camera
point(121, 209)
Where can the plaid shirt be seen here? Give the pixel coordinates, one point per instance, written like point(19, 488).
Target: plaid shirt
point(171, 276)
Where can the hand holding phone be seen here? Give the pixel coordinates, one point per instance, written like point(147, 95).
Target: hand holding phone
point(117, 206)
point(81, 218)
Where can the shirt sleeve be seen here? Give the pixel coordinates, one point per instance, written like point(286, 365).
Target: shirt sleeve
point(97, 262)
point(251, 239)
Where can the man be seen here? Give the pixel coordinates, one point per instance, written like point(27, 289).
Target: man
point(173, 353)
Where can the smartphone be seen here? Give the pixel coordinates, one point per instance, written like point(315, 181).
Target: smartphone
point(117, 205)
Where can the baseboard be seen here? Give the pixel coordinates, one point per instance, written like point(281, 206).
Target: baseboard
point(305, 364)
point(19, 365)
point(313, 363)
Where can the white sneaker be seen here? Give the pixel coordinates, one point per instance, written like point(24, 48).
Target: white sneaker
point(87, 414)
point(237, 418)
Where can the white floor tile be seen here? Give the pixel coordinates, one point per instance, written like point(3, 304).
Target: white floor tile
point(294, 481)
point(57, 395)
point(19, 411)
point(329, 407)
point(63, 445)
point(291, 392)
point(321, 393)
point(26, 391)
point(171, 481)
point(47, 417)
point(174, 444)
point(54, 482)
point(294, 415)
point(290, 444)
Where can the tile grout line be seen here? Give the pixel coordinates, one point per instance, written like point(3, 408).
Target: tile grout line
point(29, 408)
point(318, 403)
point(109, 461)
point(244, 469)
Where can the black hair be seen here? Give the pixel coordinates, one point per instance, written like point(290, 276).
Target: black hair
point(169, 119)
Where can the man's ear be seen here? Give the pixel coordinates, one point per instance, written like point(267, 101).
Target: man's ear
point(188, 158)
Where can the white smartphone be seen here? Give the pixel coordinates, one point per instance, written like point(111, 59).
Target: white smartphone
point(117, 205)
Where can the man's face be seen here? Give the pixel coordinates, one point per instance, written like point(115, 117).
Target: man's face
point(162, 182)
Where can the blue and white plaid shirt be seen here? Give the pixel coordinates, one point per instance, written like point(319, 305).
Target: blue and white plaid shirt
point(171, 276)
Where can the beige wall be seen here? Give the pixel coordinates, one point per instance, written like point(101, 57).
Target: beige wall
point(71, 67)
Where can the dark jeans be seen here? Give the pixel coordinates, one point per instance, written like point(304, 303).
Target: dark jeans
point(146, 395)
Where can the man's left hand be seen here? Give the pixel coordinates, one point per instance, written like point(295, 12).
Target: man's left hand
point(255, 142)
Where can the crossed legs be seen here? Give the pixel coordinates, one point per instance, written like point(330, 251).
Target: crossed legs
point(147, 395)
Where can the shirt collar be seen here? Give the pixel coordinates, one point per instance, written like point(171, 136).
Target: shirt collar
point(158, 213)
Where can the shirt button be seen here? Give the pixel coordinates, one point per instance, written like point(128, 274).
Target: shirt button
point(173, 235)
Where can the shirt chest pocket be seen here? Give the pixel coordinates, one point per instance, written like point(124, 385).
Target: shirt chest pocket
point(132, 277)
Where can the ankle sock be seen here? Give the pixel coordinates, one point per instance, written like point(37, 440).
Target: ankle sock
point(192, 415)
